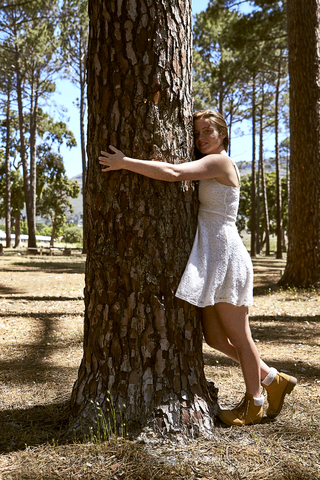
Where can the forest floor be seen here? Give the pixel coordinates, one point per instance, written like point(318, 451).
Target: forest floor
point(41, 310)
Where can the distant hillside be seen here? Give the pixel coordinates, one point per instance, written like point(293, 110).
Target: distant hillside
point(78, 178)
point(269, 165)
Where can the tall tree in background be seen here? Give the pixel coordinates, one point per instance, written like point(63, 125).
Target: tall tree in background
point(17, 194)
point(7, 127)
point(261, 108)
point(244, 213)
point(8, 169)
point(262, 35)
point(54, 191)
point(6, 92)
point(271, 22)
point(303, 263)
point(253, 243)
point(232, 51)
point(277, 156)
point(218, 73)
point(7, 197)
point(30, 42)
point(40, 65)
point(75, 45)
point(142, 346)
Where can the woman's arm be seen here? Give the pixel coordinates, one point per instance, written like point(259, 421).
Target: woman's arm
point(208, 167)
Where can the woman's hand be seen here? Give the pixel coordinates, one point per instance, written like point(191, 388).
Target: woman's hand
point(112, 161)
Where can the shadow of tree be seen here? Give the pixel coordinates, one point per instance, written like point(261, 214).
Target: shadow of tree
point(37, 425)
point(33, 369)
point(267, 286)
point(293, 366)
point(29, 362)
point(5, 290)
point(269, 262)
point(50, 267)
point(41, 299)
point(284, 329)
point(280, 330)
point(29, 365)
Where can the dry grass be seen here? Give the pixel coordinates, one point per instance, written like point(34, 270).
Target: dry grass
point(41, 309)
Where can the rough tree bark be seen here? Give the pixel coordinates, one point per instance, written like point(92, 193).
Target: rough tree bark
point(263, 179)
point(278, 177)
point(142, 346)
point(258, 208)
point(82, 74)
point(303, 266)
point(23, 155)
point(253, 172)
point(17, 242)
point(8, 170)
point(34, 99)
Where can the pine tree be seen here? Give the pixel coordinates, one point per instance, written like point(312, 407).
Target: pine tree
point(29, 30)
point(142, 346)
point(74, 46)
point(303, 261)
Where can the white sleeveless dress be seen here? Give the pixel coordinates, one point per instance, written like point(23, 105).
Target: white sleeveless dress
point(219, 268)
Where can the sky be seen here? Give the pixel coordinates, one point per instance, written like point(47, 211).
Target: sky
point(67, 93)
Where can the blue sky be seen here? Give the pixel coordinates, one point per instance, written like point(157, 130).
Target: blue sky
point(67, 94)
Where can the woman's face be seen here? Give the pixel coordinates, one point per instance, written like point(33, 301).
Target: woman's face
point(207, 137)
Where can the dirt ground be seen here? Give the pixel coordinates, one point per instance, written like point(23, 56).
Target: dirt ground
point(41, 310)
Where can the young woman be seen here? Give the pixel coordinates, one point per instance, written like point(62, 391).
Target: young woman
point(219, 276)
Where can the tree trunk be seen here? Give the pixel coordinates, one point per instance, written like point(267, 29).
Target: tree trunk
point(221, 79)
point(230, 125)
point(263, 182)
point(265, 205)
point(82, 71)
point(8, 173)
point(253, 173)
point(54, 227)
point(284, 245)
point(23, 154)
point(288, 178)
point(142, 346)
point(258, 235)
point(278, 177)
point(17, 241)
point(303, 264)
point(33, 160)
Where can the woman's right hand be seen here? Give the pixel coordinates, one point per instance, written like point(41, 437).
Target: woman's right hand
point(111, 161)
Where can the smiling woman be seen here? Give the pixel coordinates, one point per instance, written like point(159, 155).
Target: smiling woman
point(219, 274)
point(206, 136)
point(210, 132)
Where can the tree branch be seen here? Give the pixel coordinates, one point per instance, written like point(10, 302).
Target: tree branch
point(237, 3)
point(22, 4)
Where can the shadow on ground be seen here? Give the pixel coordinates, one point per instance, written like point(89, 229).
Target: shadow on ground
point(4, 290)
point(37, 425)
point(294, 367)
point(45, 298)
point(46, 266)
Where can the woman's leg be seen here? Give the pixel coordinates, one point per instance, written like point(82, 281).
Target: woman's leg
point(216, 338)
point(229, 332)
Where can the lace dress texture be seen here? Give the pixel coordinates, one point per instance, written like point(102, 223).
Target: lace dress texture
point(219, 268)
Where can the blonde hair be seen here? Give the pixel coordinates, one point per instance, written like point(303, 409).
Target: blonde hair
point(217, 120)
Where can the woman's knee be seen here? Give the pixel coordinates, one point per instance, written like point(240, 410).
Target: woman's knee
point(216, 340)
point(243, 343)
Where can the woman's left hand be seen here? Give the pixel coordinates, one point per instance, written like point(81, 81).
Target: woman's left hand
point(112, 161)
